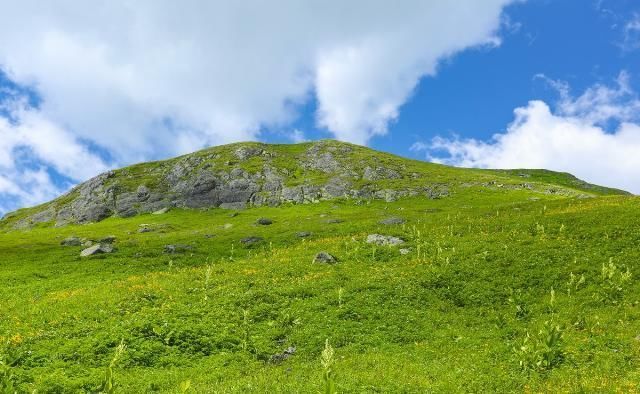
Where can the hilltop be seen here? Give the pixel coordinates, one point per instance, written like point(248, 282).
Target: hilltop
point(253, 268)
point(242, 175)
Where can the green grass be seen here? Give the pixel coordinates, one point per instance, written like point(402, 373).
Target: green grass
point(490, 299)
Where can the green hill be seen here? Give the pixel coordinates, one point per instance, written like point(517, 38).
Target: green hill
point(444, 280)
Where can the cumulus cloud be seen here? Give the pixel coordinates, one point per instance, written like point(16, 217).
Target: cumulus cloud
point(572, 137)
point(136, 76)
point(38, 159)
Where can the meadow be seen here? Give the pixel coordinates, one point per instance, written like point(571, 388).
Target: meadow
point(500, 291)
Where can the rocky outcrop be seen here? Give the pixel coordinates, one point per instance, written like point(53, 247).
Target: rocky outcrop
point(248, 175)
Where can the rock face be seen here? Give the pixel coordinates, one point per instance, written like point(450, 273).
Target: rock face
point(236, 177)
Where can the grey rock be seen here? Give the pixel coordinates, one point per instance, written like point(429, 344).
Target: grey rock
point(405, 251)
point(303, 234)
point(97, 249)
point(145, 229)
point(161, 211)
point(251, 240)
point(392, 221)
point(280, 357)
point(234, 205)
point(336, 187)
point(126, 204)
point(384, 240)
point(177, 248)
point(143, 193)
point(325, 257)
point(195, 182)
point(264, 221)
point(378, 173)
point(71, 241)
point(107, 240)
point(333, 221)
point(245, 152)
point(324, 162)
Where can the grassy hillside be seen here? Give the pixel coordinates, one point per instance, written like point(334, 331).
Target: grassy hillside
point(502, 289)
point(304, 164)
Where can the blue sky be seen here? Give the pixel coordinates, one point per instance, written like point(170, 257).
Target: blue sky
point(495, 84)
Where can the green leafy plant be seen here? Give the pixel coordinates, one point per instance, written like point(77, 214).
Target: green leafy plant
point(8, 360)
point(109, 384)
point(542, 351)
point(246, 330)
point(516, 299)
point(327, 360)
point(614, 282)
point(185, 386)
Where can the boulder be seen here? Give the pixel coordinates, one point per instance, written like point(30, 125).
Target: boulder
point(325, 257)
point(251, 240)
point(384, 240)
point(177, 248)
point(107, 240)
point(303, 234)
point(97, 249)
point(264, 221)
point(392, 221)
point(71, 241)
point(279, 357)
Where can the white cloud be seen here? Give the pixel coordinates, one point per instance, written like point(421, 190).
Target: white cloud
point(136, 76)
point(572, 138)
point(30, 148)
point(631, 34)
point(297, 136)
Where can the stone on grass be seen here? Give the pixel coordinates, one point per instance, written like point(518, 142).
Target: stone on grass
point(251, 240)
point(303, 234)
point(264, 221)
point(177, 248)
point(71, 241)
point(384, 240)
point(107, 240)
point(161, 211)
point(325, 257)
point(280, 357)
point(97, 249)
point(392, 220)
point(404, 251)
point(333, 221)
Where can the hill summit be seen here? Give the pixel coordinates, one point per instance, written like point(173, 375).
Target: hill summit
point(240, 175)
